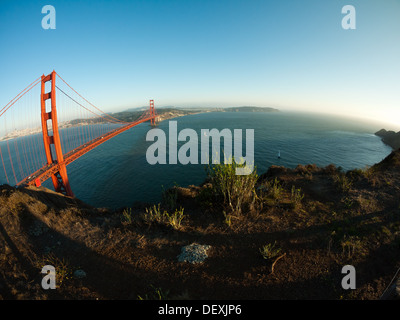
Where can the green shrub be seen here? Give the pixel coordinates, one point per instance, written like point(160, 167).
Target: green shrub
point(175, 219)
point(154, 214)
point(127, 216)
point(236, 191)
point(274, 189)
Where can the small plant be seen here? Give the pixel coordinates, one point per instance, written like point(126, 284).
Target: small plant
point(343, 183)
point(269, 251)
point(347, 202)
point(63, 270)
point(175, 219)
point(228, 219)
point(127, 216)
point(153, 214)
point(296, 197)
point(355, 174)
point(367, 205)
point(351, 245)
point(274, 189)
point(158, 294)
point(368, 172)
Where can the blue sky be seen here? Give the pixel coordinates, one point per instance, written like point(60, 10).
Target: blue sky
point(289, 54)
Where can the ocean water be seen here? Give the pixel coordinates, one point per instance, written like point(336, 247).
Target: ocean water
point(116, 174)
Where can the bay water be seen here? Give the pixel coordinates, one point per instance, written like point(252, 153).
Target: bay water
point(116, 173)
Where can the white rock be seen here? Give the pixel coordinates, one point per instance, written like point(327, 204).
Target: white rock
point(194, 253)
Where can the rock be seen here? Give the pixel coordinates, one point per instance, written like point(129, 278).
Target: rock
point(391, 138)
point(194, 253)
point(79, 274)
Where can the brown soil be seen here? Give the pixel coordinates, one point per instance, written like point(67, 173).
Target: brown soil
point(123, 259)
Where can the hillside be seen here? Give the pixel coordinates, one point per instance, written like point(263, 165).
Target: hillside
point(319, 218)
point(391, 138)
point(250, 109)
point(166, 113)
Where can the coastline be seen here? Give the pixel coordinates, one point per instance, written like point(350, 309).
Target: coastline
point(390, 138)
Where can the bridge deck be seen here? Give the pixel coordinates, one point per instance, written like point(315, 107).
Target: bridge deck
point(44, 173)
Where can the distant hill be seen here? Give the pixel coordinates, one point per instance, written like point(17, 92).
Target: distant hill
point(167, 112)
point(136, 109)
point(145, 108)
point(390, 138)
point(250, 109)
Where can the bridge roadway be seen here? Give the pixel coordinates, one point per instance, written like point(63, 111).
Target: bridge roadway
point(44, 173)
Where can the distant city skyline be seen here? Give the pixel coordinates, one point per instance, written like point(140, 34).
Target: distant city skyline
point(290, 55)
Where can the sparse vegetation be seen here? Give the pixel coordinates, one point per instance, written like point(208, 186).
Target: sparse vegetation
point(343, 183)
point(366, 205)
point(269, 193)
point(127, 216)
point(156, 294)
point(351, 245)
point(63, 269)
point(155, 214)
point(269, 251)
point(274, 188)
point(175, 219)
point(296, 197)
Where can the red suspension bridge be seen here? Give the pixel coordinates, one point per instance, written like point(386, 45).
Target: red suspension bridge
point(35, 148)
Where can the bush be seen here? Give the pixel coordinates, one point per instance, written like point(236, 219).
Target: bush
point(237, 192)
point(270, 189)
point(274, 189)
point(343, 183)
point(296, 197)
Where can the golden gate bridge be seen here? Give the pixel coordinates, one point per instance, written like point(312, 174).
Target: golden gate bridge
point(35, 148)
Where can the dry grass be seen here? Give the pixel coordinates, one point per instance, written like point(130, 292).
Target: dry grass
point(127, 254)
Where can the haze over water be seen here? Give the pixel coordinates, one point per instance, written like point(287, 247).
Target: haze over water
point(116, 174)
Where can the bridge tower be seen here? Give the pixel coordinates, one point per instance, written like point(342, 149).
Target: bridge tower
point(152, 113)
point(60, 178)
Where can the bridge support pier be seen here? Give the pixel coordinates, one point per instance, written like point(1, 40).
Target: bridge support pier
point(60, 178)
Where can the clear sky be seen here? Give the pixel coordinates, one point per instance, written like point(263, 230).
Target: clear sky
point(289, 54)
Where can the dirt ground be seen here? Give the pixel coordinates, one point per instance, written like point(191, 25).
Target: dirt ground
point(125, 257)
